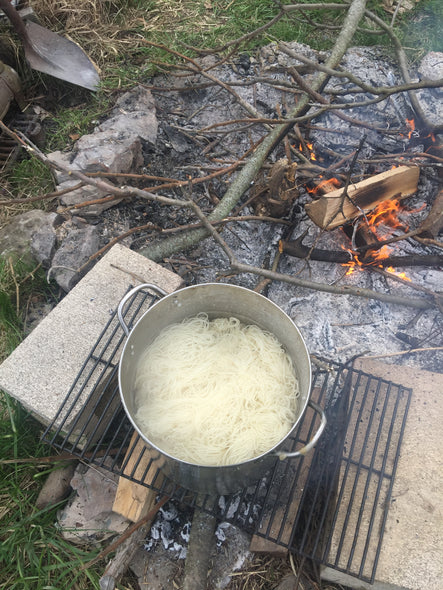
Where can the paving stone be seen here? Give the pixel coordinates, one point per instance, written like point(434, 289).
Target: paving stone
point(40, 372)
point(412, 548)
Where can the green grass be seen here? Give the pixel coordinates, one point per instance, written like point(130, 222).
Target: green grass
point(30, 177)
point(421, 29)
point(69, 123)
point(20, 281)
point(33, 554)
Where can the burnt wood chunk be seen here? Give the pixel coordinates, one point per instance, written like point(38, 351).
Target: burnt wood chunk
point(336, 208)
point(433, 224)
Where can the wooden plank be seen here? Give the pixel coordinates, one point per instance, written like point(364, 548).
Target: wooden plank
point(332, 209)
point(132, 499)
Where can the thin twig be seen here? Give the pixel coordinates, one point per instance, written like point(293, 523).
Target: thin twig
point(403, 352)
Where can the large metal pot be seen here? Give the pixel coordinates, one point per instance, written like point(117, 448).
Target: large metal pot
point(217, 300)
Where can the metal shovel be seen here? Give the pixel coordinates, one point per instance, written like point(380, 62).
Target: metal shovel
point(49, 53)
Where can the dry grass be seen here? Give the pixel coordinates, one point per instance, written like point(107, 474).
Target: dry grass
point(265, 572)
point(96, 25)
point(107, 29)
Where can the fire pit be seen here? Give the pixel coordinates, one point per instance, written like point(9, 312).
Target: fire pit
point(306, 507)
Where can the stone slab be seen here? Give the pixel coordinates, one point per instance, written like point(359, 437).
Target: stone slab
point(411, 555)
point(40, 372)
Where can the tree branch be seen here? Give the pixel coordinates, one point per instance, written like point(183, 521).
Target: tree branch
point(243, 180)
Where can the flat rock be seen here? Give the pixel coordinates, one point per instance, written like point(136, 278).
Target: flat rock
point(155, 571)
point(16, 236)
point(82, 195)
point(115, 145)
point(88, 518)
point(44, 240)
point(75, 251)
point(106, 151)
point(62, 159)
point(40, 372)
point(431, 66)
point(134, 115)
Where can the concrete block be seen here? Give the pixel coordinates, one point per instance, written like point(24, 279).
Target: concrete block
point(40, 372)
point(412, 548)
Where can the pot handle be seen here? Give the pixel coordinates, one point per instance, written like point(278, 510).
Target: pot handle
point(128, 296)
point(313, 440)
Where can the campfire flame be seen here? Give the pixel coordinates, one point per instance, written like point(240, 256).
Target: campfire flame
point(325, 186)
point(385, 216)
point(410, 123)
point(311, 151)
point(309, 148)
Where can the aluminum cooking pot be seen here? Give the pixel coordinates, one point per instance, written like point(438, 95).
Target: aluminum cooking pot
point(216, 300)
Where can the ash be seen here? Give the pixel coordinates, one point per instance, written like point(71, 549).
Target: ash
point(334, 326)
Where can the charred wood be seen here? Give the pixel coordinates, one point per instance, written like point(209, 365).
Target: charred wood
point(298, 250)
point(433, 224)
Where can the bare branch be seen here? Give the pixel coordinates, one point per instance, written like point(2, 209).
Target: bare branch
point(244, 178)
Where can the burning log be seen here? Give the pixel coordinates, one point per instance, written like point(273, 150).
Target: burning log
point(338, 207)
point(297, 249)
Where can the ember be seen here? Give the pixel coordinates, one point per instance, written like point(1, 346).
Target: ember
point(324, 186)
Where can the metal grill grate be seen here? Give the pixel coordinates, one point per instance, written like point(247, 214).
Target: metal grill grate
point(10, 149)
point(330, 506)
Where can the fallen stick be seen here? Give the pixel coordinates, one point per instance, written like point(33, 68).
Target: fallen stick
point(304, 283)
point(414, 302)
point(56, 487)
point(402, 352)
point(124, 554)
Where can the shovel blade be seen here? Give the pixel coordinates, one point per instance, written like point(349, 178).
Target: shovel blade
point(51, 54)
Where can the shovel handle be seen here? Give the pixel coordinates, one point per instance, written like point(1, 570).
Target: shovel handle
point(130, 294)
point(16, 20)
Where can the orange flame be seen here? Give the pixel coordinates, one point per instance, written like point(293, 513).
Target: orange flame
point(325, 186)
point(402, 275)
point(410, 123)
point(310, 148)
point(311, 151)
point(386, 214)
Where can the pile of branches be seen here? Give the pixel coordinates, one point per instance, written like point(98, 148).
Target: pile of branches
point(311, 103)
